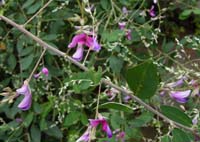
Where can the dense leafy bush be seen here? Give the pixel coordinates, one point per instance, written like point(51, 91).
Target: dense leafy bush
point(80, 91)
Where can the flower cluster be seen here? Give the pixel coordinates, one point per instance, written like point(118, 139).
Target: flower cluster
point(83, 39)
point(183, 95)
point(122, 25)
point(93, 124)
point(112, 93)
point(26, 102)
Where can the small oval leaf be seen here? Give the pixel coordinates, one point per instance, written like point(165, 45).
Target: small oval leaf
point(117, 106)
point(143, 79)
point(176, 115)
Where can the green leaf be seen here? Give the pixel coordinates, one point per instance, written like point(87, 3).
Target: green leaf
point(83, 81)
point(105, 4)
point(185, 14)
point(35, 134)
point(180, 136)
point(165, 138)
point(43, 124)
point(32, 9)
point(111, 36)
point(12, 61)
point(28, 119)
point(116, 64)
point(50, 37)
point(143, 119)
point(26, 51)
point(26, 62)
point(84, 119)
point(176, 115)
point(54, 131)
point(117, 106)
point(197, 11)
point(135, 134)
point(46, 108)
point(28, 3)
point(143, 79)
point(72, 118)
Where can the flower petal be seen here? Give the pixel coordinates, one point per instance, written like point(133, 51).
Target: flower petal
point(181, 100)
point(96, 46)
point(23, 90)
point(122, 25)
point(124, 10)
point(37, 75)
point(80, 38)
point(86, 135)
point(176, 84)
point(128, 34)
point(78, 55)
point(180, 96)
point(26, 102)
point(92, 43)
point(106, 128)
point(94, 122)
point(152, 12)
point(195, 120)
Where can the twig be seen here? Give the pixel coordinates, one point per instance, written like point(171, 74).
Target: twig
point(36, 65)
point(41, 9)
point(103, 80)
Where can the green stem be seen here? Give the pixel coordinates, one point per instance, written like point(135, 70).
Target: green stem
point(34, 69)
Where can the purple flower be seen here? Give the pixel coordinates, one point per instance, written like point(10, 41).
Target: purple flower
point(86, 135)
point(195, 120)
point(127, 98)
point(154, 1)
point(176, 84)
point(124, 10)
point(152, 11)
point(120, 136)
point(18, 120)
point(112, 93)
point(105, 127)
point(25, 104)
point(128, 34)
point(122, 25)
point(78, 39)
point(44, 71)
point(81, 40)
point(180, 96)
point(162, 93)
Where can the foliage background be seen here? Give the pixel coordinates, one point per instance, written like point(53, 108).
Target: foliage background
point(63, 102)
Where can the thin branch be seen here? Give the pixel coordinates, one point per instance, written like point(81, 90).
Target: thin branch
point(36, 65)
point(105, 81)
point(36, 14)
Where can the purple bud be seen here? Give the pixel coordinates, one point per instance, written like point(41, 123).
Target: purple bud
point(122, 25)
point(45, 71)
point(152, 11)
point(124, 10)
point(128, 34)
